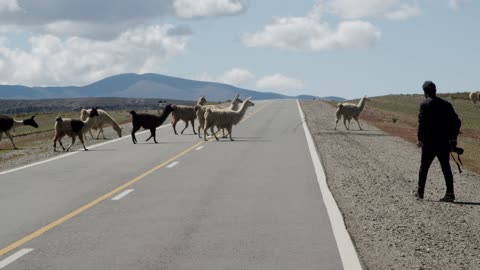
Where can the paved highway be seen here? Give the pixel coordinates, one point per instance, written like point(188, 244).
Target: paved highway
point(254, 203)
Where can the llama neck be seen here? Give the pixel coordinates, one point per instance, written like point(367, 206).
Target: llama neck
point(201, 101)
point(89, 123)
point(17, 123)
point(361, 104)
point(161, 118)
point(233, 106)
point(240, 113)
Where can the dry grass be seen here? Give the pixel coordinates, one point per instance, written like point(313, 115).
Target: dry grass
point(397, 115)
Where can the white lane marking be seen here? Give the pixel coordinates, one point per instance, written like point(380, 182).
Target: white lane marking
point(73, 153)
point(123, 194)
point(345, 246)
point(173, 164)
point(200, 147)
point(14, 257)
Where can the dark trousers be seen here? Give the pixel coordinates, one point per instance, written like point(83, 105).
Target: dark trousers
point(429, 152)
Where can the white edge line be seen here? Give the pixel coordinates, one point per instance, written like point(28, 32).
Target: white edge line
point(173, 164)
point(15, 256)
point(345, 246)
point(200, 147)
point(73, 153)
point(123, 194)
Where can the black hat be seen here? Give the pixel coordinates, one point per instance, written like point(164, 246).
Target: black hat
point(429, 87)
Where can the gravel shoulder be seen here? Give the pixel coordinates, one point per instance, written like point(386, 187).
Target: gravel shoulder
point(372, 176)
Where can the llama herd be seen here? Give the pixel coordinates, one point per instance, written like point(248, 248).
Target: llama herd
point(209, 116)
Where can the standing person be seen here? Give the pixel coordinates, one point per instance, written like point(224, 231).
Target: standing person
point(438, 128)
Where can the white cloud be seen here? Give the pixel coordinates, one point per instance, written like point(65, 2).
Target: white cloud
point(189, 9)
point(55, 61)
point(204, 76)
point(404, 12)
point(237, 77)
point(311, 34)
point(104, 19)
point(354, 9)
point(457, 4)
point(9, 6)
point(282, 83)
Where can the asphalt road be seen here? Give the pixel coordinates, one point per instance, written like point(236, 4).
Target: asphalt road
point(253, 203)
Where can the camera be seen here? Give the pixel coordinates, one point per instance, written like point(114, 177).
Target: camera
point(455, 149)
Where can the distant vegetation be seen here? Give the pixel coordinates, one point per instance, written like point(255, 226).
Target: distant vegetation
point(9, 106)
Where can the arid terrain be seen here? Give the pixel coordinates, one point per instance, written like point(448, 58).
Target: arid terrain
point(371, 174)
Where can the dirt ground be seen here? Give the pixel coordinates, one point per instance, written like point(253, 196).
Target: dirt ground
point(372, 175)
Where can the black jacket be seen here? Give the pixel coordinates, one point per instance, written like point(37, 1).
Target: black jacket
point(437, 121)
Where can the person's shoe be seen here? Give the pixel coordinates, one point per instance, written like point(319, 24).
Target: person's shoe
point(448, 198)
point(418, 195)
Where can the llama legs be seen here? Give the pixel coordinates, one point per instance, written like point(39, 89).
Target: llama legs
point(229, 129)
point(358, 122)
point(73, 141)
point(152, 135)
point(91, 134)
point(193, 125)
point(199, 129)
point(174, 125)
point(55, 144)
point(103, 134)
point(205, 132)
point(135, 129)
point(211, 130)
point(186, 125)
point(345, 123)
point(11, 139)
point(83, 143)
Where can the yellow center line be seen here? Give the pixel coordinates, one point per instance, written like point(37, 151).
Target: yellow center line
point(91, 204)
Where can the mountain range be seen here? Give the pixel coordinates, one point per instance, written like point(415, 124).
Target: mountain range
point(148, 85)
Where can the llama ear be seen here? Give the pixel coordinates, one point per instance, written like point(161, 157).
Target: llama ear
point(32, 117)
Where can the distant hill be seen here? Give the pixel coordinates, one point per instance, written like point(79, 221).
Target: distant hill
point(141, 86)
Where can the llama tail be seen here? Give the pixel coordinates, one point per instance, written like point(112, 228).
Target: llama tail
point(339, 105)
point(59, 119)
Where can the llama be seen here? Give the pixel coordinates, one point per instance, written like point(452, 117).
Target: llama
point(474, 97)
point(103, 119)
point(349, 111)
point(200, 111)
point(186, 114)
point(149, 121)
point(7, 124)
point(225, 118)
point(73, 128)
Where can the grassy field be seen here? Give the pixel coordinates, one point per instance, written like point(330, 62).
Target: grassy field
point(397, 115)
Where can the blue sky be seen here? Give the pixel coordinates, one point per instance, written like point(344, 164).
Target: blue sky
point(347, 48)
